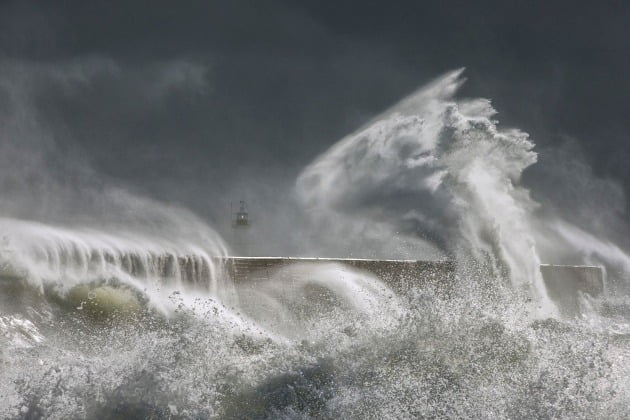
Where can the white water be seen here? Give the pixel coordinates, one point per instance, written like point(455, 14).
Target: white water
point(337, 343)
point(156, 265)
point(460, 169)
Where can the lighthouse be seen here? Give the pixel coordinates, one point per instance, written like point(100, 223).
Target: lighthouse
point(240, 230)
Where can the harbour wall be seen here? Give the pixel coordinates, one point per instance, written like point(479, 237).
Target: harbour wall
point(567, 285)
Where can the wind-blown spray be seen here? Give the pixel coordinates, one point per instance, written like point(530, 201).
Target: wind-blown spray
point(312, 341)
point(445, 164)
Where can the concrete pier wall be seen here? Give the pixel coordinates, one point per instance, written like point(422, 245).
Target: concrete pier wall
point(397, 274)
point(564, 283)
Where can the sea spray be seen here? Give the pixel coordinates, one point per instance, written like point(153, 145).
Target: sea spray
point(445, 164)
point(337, 343)
point(76, 259)
point(333, 292)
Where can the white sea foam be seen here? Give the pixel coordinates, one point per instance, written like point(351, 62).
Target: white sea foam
point(456, 173)
point(321, 341)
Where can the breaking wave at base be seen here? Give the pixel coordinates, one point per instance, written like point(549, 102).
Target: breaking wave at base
point(332, 349)
point(322, 341)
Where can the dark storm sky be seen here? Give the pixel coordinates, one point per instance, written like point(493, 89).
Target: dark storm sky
point(270, 84)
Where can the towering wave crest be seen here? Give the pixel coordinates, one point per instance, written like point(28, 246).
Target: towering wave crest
point(442, 168)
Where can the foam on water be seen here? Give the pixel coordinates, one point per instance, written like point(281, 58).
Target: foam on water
point(131, 322)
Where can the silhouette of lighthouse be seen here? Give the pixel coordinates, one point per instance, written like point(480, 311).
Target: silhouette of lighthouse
point(240, 230)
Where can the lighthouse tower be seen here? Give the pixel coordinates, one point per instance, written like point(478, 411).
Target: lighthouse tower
point(240, 231)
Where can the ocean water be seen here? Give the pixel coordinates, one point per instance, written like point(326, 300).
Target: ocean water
point(338, 345)
point(137, 323)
